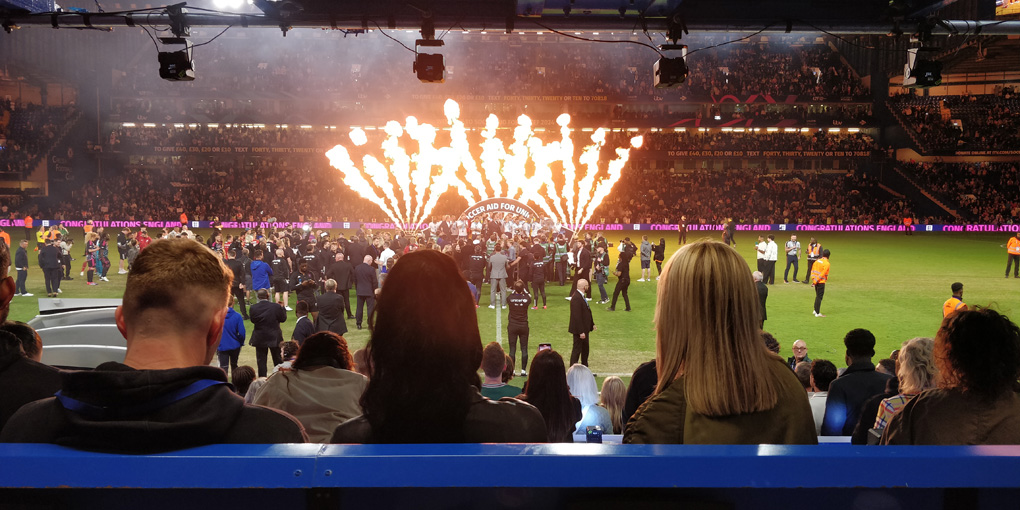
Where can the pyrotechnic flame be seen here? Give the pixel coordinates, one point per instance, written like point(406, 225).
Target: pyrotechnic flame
point(529, 170)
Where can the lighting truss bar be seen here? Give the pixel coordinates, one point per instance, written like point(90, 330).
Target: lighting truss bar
point(521, 23)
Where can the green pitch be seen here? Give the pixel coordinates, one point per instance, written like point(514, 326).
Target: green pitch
point(891, 284)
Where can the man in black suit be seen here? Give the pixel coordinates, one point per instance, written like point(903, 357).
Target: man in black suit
point(343, 274)
point(237, 288)
point(49, 261)
point(331, 310)
point(267, 316)
point(367, 283)
point(582, 257)
point(581, 323)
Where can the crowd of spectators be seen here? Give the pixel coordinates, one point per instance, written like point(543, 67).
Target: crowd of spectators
point(27, 132)
point(816, 140)
point(946, 124)
point(981, 192)
point(753, 196)
point(305, 187)
point(714, 363)
point(242, 81)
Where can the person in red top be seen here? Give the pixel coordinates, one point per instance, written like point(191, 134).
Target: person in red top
point(820, 275)
point(1013, 249)
point(143, 239)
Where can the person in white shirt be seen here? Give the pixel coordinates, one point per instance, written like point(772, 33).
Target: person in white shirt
point(759, 251)
point(462, 228)
point(823, 372)
point(771, 256)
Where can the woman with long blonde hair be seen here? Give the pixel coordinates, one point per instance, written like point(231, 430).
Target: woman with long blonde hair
point(613, 397)
point(717, 382)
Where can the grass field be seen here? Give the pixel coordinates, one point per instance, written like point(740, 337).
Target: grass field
point(891, 284)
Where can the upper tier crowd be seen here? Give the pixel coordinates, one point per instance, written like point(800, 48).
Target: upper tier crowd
point(717, 377)
point(947, 124)
point(26, 133)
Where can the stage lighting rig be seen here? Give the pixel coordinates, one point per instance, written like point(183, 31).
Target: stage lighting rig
point(177, 65)
point(429, 67)
point(670, 71)
point(922, 70)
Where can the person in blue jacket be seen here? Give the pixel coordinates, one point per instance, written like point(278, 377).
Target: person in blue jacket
point(261, 273)
point(232, 338)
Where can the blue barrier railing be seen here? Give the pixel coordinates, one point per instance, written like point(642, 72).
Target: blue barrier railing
point(308, 466)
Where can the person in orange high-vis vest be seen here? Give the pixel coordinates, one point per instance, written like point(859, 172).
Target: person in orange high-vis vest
point(1013, 249)
point(954, 303)
point(819, 276)
point(814, 252)
point(29, 227)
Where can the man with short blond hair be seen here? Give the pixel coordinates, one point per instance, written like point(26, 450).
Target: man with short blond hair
point(165, 396)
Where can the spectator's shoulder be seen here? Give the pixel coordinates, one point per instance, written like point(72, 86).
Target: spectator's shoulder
point(35, 422)
point(262, 425)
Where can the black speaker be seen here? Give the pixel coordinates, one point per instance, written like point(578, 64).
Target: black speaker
point(430, 68)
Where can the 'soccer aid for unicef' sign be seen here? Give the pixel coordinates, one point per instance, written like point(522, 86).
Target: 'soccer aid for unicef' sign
point(506, 205)
point(500, 205)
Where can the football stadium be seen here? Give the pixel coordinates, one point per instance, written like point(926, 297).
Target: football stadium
point(449, 253)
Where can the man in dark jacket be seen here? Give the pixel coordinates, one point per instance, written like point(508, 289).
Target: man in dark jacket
point(581, 324)
point(343, 274)
point(266, 317)
point(367, 283)
point(331, 310)
point(582, 257)
point(165, 396)
point(21, 265)
point(858, 383)
point(237, 285)
point(763, 297)
point(49, 262)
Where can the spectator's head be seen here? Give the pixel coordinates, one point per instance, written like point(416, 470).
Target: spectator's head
point(258, 254)
point(613, 397)
point(324, 348)
point(361, 362)
point(582, 385)
point(978, 351)
point(493, 361)
point(803, 372)
point(823, 372)
point(330, 285)
point(799, 350)
point(770, 342)
point(826, 253)
point(31, 343)
point(367, 259)
point(707, 316)
point(263, 295)
point(957, 289)
point(425, 317)
point(757, 276)
point(547, 390)
point(860, 345)
point(289, 350)
point(6, 282)
point(519, 287)
point(886, 366)
point(241, 378)
point(916, 366)
point(508, 369)
point(175, 301)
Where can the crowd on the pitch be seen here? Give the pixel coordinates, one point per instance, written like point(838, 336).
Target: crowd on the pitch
point(717, 377)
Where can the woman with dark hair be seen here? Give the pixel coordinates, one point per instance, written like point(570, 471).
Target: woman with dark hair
point(425, 317)
point(547, 390)
point(659, 255)
point(321, 390)
point(977, 357)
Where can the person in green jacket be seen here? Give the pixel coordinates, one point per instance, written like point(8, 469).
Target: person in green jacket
point(717, 383)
